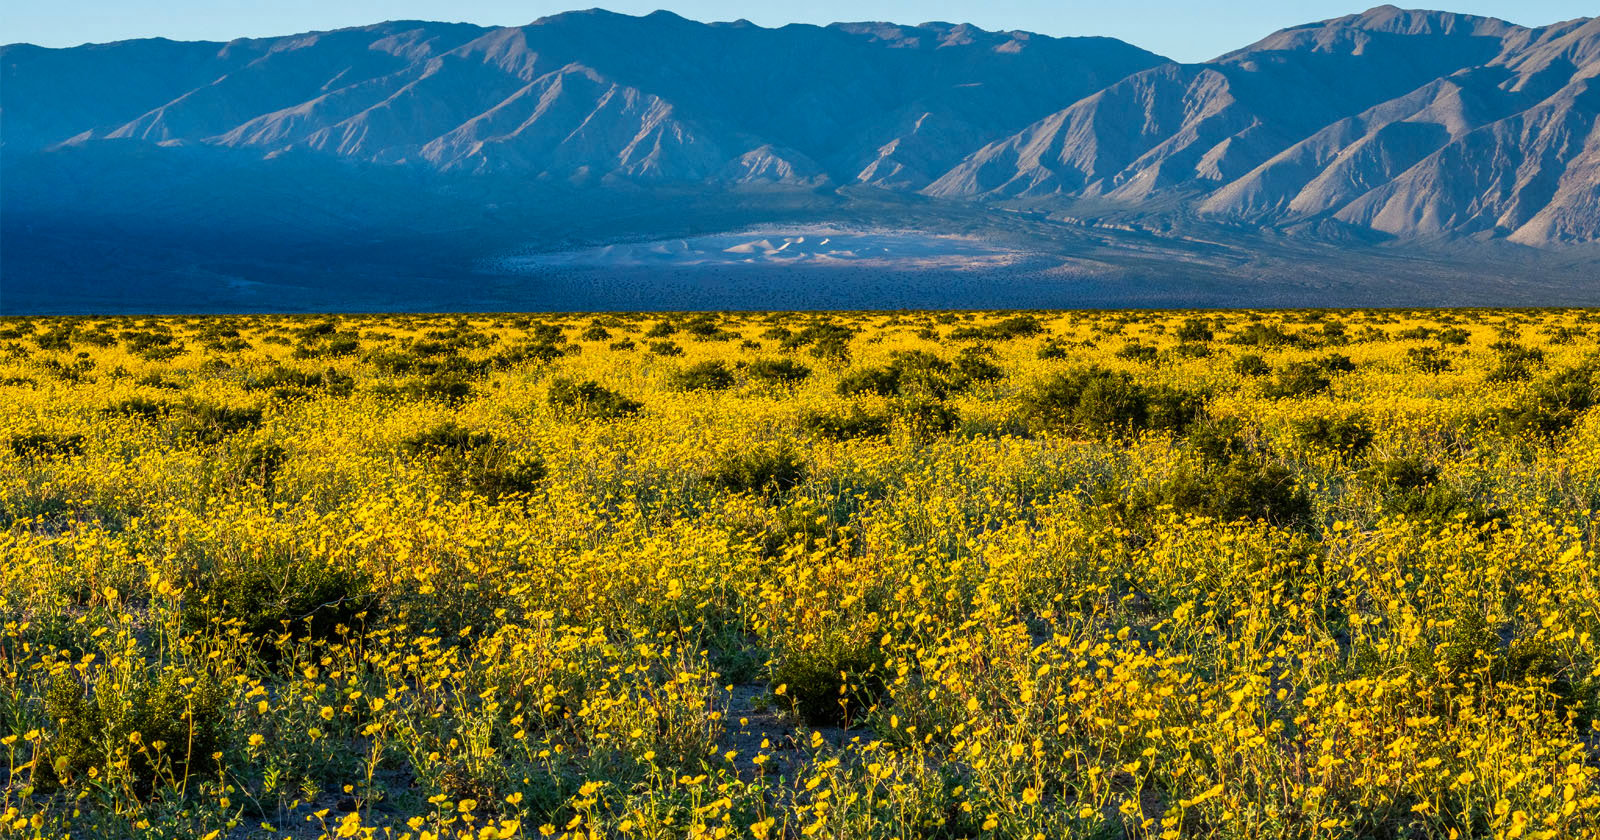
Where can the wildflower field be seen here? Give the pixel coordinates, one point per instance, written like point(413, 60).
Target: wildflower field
point(939, 575)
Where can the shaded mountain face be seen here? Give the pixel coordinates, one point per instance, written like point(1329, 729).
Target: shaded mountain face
point(1402, 122)
point(580, 97)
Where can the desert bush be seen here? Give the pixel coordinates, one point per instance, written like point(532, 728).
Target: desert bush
point(1133, 351)
point(1219, 439)
point(703, 376)
point(1019, 326)
point(1554, 404)
point(476, 461)
point(760, 470)
point(1264, 335)
point(42, 445)
point(857, 422)
point(1238, 488)
point(1101, 401)
point(589, 399)
point(447, 388)
point(1427, 359)
point(1053, 349)
point(290, 383)
point(1351, 435)
point(829, 682)
point(208, 424)
point(1411, 488)
point(1251, 365)
point(1514, 362)
point(136, 728)
point(1194, 331)
point(925, 419)
point(777, 371)
point(1298, 379)
point(279, 596)
point(975, 366)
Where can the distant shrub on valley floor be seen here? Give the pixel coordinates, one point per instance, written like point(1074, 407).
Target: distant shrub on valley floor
point(589, 399)
point(1101, 401)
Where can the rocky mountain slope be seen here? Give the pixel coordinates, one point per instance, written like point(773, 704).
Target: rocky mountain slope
point(1405, 123)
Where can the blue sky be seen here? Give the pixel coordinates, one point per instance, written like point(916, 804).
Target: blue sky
point(1185, 31)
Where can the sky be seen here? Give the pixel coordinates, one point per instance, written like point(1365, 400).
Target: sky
point(1185, 31)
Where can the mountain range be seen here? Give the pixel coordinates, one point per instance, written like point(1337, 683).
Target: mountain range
point(342, 168)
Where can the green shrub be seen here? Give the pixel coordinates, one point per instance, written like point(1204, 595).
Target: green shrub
point(156, 380)
point(1336, 363)
point(1097, 400)
point(589, 399)
point(1251, 365)
point(1019, 326)
point(764, 469)
point(41, 445)
point(1133, 351)
point(208, 424)
point(704, 376)
point(1194, 330)
point(667, 349)
point(829, 682)
point(836, 425)
point(777, 371)
point(1241, 488)
point(1350, 435)
point(1264, 335)
point(883, 381)
point(827, 340)
point(165, 730)
point(476, 461)
point(1218, 439)
point(259, 464)
point(536, 350)
point(973, 366)
point(58, 338)
point(289, 383)
point(1515, 362)
point(1411, 488)
point(1401, 474)
point(925, 419)
point(1554, 404)
point(141, 407)
point(447, 388)
point(1298, 379)
point(1427, 359)
point(917, 373)
point(274, 594)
